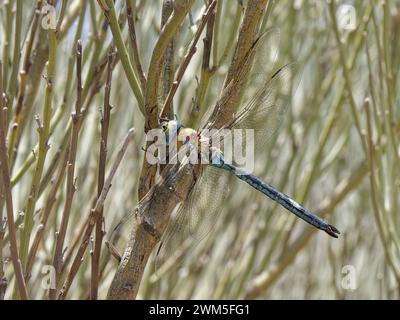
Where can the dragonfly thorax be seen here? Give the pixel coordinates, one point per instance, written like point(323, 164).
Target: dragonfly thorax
point(188, 136)
point(190, 141)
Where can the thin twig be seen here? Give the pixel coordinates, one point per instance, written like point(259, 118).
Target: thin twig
point(49, 203)
point(24, 74)
point(3, 224)
point(43, 147)
point(38, 59)
point(76, 124)
point(68, 255)
point(61, 16)
point(105, 123)
point(9, 202)
point(346, 74)
point(13, 83)
point(374, 192)
point(93, 214)
point(3, 280)
point(93, 84)
point(182, 68)
point(109, 11)
point(134, 45)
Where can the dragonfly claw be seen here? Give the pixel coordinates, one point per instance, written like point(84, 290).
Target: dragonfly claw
point(332, 231)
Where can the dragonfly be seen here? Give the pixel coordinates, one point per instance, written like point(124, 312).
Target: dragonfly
point(265, 102)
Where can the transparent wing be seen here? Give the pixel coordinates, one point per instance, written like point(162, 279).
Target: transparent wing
point(195, 219)
point(212, 191)
point(265, 94)
point(265, 103)
point(266, 52)
point(172, 244)
point(119, 234)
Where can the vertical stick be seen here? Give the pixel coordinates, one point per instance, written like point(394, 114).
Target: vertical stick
point(9, 202)
point(76, 124)
point(105, 124)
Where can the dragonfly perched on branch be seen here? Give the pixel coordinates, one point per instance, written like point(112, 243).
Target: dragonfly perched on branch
point(265, 102)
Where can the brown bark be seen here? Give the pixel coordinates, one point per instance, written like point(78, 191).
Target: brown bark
point(151, 218)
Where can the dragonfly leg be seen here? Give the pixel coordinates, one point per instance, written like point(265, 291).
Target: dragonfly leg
point(113, 251)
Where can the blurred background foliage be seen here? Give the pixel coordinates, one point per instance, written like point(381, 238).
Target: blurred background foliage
point(337, 151)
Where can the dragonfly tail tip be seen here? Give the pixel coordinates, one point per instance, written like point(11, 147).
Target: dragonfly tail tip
point(332, 231)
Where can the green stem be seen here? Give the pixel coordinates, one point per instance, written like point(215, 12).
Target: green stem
point(109, 11)
point(43, 130)
point(12, 85)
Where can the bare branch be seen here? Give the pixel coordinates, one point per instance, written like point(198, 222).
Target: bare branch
point(76, 124)
point(109, 11)
point(49, 203)
point(93, 216)
point(9, 202)
point(105, 123)
point(134, 45)
point(186, 59)
point(151, 218)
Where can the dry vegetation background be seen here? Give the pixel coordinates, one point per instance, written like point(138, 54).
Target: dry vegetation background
point(337, 151)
